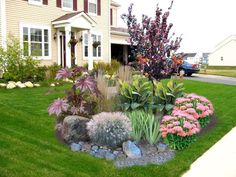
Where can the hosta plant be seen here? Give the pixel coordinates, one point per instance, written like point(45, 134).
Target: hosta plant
point(179, 129)
point(166, 94)
point(109, 129)
point(80, 99)
point(203, 107)
point(136, 95)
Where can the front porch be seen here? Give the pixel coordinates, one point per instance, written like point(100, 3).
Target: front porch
point(69, 35)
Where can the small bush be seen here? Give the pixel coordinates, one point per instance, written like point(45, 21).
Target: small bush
point(52, 71)
point(109, 129)
point(179, 129)
point(18, 67)
point(200, 104)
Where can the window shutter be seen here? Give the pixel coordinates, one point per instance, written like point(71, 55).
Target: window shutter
point(58, 3)
point(75, 5)
point(45, 2)
point(99, 6)
point(86, 6)
point(111, 17)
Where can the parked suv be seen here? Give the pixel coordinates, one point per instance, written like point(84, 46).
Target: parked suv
point(189, 68)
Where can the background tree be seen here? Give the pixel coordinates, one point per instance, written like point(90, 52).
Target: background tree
point(151, 43)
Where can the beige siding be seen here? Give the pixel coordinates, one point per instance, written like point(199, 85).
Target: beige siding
point(19, 11)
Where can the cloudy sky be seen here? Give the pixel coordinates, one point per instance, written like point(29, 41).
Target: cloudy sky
point(203, 23)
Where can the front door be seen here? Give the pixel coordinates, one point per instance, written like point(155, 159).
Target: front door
point(63, 49)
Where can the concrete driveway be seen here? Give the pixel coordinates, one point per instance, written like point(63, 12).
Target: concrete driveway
point(212, 79)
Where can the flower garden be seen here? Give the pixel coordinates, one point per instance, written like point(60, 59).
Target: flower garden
point(112, 121)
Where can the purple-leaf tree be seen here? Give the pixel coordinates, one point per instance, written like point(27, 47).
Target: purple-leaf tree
point(151, 43)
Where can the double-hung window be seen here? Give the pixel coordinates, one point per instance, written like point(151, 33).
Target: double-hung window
point(36, 41)
point(92, 4)
point(96, 45)
point(67, 4)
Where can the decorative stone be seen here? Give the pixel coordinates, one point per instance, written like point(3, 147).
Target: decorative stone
point(3, 85)
point(101, 153)
point(110, 156)
point(11, 82)
point(75, 147)
point(52, 85)
point(161, 147)
point(86, 147)
point(11, 86)
point(29, 84)
point(37, 85)
point(74, 129)
point(131, 150)
point(21, 85)
point(94, 148)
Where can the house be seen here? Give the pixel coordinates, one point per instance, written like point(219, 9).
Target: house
point(224, 53)
point(66, 32)
point(204, 58)
point(192, 57)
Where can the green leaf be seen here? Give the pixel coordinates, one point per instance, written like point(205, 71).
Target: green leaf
point(135, 105)
point(168, 107)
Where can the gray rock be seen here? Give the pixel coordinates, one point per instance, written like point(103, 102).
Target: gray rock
point(74, 129)
point(162, 147)
point(102, 152)
point(131, 150)
point(110, 156)
point(94, 148)
point(75, 147)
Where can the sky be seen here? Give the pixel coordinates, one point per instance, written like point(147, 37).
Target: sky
point(202, 23)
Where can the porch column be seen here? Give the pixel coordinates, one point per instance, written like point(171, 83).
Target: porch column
point(58, 48)
point(90, 50)
point(68, 49)
point(125, 54)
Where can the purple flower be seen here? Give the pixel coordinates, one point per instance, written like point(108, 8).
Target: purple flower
point(63, 73)
point(58, 106)
point(86, 83)
point(74, 110)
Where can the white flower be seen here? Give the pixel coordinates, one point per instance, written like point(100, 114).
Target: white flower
point(11, 85)
point(29, 84)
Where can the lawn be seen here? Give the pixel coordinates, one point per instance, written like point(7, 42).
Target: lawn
point(229, 71)
point(28, 146)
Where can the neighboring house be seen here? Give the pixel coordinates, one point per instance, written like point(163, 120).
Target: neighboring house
point(205, 58)
point(224, 53)
point(65, 32)
point(192, 57)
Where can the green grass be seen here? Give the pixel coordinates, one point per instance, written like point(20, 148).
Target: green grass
point(229, 73)
point(28, 146)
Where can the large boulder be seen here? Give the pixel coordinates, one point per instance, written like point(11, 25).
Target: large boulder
point(131, 149)
point(74, 129)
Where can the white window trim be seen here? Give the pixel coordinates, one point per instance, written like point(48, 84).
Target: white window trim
point(49, 39)
point(66, 8)
point(32, 2)
point(91, 13)
point(94, 58)
point(3, 24)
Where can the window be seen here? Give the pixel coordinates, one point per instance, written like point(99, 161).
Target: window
point(68, 4)
point(36, 41)
point(93, 6)
point(96, 48)
point(35, 2)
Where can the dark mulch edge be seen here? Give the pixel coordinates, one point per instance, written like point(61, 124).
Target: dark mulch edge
point(213, 122)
